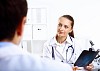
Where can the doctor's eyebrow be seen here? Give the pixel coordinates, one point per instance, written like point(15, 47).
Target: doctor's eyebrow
point(65, 26)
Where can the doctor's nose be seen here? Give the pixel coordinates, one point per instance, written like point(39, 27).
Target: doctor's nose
point(62, 28)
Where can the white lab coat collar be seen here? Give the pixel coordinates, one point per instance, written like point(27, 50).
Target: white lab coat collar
point(68, 40)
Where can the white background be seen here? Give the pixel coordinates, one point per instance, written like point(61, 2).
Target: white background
point(86, 14)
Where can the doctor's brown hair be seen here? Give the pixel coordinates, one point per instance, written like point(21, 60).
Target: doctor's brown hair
point(72, 24)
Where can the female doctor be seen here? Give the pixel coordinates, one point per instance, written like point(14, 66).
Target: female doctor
point(64, 47)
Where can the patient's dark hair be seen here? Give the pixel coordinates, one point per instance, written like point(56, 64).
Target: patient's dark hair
point(72, 24)
point(11, 14)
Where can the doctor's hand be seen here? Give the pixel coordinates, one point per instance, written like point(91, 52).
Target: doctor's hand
point(76, 68)
point(89, 67)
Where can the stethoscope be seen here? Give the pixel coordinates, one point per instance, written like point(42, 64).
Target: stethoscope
point(69, 47)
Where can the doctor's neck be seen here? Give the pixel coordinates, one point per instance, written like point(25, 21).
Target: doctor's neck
point(60, 39)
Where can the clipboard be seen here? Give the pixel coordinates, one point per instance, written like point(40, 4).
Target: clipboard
point(85, 58)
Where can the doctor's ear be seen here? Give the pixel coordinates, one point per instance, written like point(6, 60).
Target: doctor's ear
point(70, 31)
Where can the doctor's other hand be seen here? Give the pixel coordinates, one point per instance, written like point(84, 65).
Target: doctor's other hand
point(75, 68)
point(89, 67)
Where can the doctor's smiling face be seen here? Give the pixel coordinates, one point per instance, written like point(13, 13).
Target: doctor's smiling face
point(64, 27)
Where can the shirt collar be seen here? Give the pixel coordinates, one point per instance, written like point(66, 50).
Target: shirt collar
point(69, 40)
point(10, 49)
point(4, 44)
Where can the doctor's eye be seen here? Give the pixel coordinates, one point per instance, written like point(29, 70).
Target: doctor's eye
point(59, 25)
point(65, 26)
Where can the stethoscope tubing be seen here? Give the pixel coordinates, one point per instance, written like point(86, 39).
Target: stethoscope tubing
point(71, 54)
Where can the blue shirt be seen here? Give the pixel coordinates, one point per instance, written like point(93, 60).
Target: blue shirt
point(13, 58)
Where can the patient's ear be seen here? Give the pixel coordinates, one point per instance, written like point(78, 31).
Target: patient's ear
point(21, 27)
